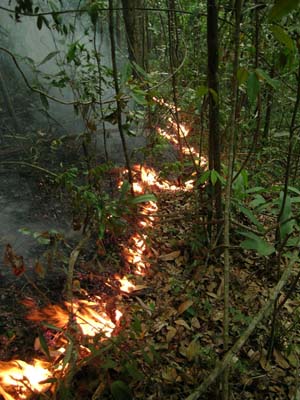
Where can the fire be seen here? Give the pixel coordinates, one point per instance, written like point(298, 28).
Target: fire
point(97, 317)
point(24, 377)
point(90, 316)
point(135, 254)
point(126, 285)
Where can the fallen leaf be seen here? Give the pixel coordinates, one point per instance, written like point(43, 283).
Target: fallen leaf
point(213, 295)
point(280, 360)
point(139, 287)
point(170, 256)
point(264, 362)
point(184, 306)
point(193, 350)
point(182, 322)
point(171, 333)
point(169, 375)
point(195, 323)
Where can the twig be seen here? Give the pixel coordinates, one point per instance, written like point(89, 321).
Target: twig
point(265, 311)
point(29, 165)
point(41, 92)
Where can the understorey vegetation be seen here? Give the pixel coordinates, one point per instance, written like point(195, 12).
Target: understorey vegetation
point(149, 181)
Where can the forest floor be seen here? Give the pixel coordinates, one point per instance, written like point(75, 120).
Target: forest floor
point(170, 335)
point(146, 318)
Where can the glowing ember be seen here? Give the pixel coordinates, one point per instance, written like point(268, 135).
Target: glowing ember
point(24, 377)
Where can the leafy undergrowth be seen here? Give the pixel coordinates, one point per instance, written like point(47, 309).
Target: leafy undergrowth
point(170, 335)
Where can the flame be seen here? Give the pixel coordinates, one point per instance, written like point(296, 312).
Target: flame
point(126, 285)
point(88, 315)
point(24, 377)
point(94, 317)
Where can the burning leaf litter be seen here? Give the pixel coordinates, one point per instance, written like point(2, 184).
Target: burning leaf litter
point(19, 379)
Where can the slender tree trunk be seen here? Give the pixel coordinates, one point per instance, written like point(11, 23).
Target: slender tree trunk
point(213, 85)
point(269, 103)
point(173, 64)
point(232, 129)
point(117, 90)
point(135, 21)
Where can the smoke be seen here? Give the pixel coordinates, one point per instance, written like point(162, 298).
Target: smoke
point(47, 60)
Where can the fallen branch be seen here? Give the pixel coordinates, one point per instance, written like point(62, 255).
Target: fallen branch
point(265, 310)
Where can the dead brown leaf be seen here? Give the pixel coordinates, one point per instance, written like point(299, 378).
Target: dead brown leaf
point(184, 306)
point(170, 256)
point(171, 333)
point(280, 359)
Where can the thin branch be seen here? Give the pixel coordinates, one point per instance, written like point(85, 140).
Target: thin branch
point(85, 10)
point(26, 164)
point(41, 92)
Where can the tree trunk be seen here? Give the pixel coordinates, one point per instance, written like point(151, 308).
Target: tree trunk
point(117, 90)
point(232, 134)
point(135, 21)
point(213, 85)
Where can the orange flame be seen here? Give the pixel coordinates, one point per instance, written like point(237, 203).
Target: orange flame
point(88, 315)
point(24, 377)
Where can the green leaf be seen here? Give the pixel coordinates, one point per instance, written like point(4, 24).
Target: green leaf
point(294, 190)
point(258, 200)
point(144, 198)
point(252, 87)
point(256, 243)
point(136, 325)
point(140, 70)
point(48, 57)
point(93, 13)
point(214, 95)
point(25, 231)
point(282, 37)
point(124, 188)
point(242, 75)
point(39, 22)
point(214, 176)
point(256, 189)
point(125, 73)
point(72, 52)
point(265, 76)
point(287, 227)
point(282, 8)
point(134, 371)
point(120, 391)
point(139, 97)
point(43, 240)
point(201, 91)
point(204, 177)
point(109, 364)
point(251, 217)
point(68, 354)
point(44, 101)
point(44, 345)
